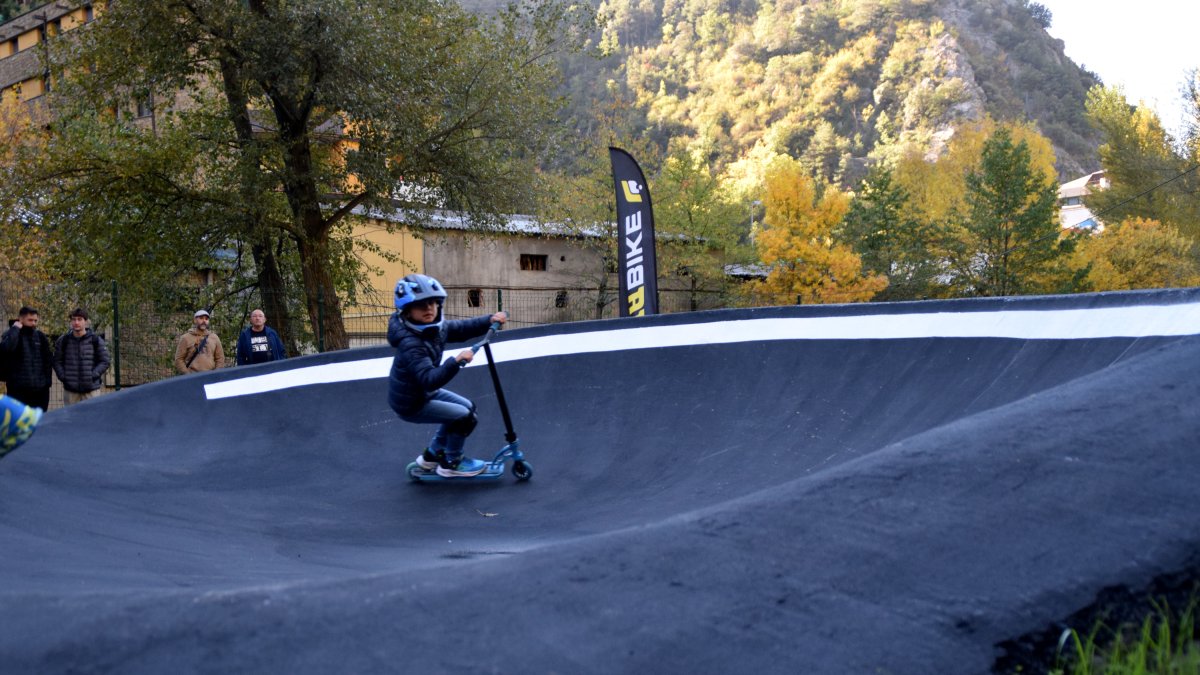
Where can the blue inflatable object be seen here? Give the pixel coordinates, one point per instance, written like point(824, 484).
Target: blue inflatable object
point(17, 423)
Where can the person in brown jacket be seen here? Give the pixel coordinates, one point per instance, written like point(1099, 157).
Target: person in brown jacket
point(198, 349)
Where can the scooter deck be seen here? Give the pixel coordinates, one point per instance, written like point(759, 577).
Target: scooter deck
point(493, 471)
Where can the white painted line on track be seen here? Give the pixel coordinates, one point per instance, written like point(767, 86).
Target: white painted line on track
point(1063, 324)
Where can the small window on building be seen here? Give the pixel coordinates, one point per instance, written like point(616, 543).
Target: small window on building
point(475, 298)
point(560, 299)
point(31, 88)
point(28, 39)
point(531, 262)
point(144, 107)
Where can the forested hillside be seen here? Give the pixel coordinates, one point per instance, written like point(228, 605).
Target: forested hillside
point(833, 83)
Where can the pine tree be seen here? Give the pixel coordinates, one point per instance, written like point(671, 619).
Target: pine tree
point(1009, 238)
point(889, 241)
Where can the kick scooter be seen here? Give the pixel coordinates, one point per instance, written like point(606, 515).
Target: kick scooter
point(521, 469)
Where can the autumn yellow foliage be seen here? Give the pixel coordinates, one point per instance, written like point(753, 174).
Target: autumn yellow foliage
point(1139, 253)
point(797, 245)
point(937, 189)
point(23, 250)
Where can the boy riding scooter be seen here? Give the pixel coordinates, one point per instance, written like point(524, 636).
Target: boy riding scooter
point(419, 332)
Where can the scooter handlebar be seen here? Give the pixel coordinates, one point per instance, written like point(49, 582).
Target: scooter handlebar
point(486, 338)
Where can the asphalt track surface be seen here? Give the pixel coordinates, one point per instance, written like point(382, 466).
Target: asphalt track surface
point(858, 489)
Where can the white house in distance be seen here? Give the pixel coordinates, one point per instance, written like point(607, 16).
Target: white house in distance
point(1072, 213)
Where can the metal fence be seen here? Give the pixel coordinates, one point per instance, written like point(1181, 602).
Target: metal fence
point(142, 330)
point(367, 324)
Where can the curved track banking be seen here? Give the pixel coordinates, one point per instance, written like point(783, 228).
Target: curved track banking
point(870, 488)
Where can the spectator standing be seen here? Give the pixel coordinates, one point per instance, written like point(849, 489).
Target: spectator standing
point(259, 343)
point(198, 349)
point(80, 360)
point(27, 352)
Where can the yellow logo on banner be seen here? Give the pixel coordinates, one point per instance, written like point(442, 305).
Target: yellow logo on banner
point(637, 302)
point(632, 190)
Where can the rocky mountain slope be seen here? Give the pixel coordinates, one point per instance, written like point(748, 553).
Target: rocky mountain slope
point(837, 84)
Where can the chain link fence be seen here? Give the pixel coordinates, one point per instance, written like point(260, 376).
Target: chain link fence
point(142, 330)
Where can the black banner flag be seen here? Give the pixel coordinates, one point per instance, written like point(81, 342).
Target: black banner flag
point(636, 268)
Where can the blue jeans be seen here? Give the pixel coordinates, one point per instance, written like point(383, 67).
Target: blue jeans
point(442, 408)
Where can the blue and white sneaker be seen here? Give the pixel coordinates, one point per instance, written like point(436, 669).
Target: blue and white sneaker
point(460, 467)
point(429, 460)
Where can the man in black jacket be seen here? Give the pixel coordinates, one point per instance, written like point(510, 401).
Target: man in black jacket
point(27, 351)
point(80, 359)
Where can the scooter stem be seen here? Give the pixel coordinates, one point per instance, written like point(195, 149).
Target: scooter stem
point(511, 435)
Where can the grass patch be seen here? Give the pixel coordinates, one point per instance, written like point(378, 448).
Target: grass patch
point(1164, 644)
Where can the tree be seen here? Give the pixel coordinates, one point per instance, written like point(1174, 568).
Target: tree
point(9, 9)
point(581, 200)
point(1149, 177)
point(1008, 239)
point(23, 277)
point(1041, 14)
point(1191, 108)
point(697, 224)
point(796, 242)
point(1138, 253)
point(891, 242)
point(277, 120)
point(937, 189)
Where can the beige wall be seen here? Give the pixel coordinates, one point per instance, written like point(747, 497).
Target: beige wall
point(400, 243)
point(28, 39)
point(491, 261)
point(474, 260)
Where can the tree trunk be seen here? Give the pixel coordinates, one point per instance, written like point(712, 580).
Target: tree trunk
point(274, 296)
point(324, 307)
point(304, 199)
point(270, 280)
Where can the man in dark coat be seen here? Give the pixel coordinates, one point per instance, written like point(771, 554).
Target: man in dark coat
point(259, 343)
point(27, 353)
point(80, 360)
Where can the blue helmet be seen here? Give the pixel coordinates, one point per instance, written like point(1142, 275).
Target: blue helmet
point(417, 287)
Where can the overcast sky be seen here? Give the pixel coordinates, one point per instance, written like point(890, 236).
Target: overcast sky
point(1146, 46)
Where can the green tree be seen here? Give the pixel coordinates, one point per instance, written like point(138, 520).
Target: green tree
point(1147, 173)
point(9, 9)
point(890, 241)
point(580, 201)
point(1041, 14)
point(1008, 241)
point(937, 190)
point(1191, 110)
point(697, 222)
point(278, 119)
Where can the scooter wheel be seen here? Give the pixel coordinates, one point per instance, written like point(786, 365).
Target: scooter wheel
point(412, 470)
point(522, 470)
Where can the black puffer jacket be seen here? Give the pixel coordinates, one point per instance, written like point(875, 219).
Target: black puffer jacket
point(27, 353)
point(415, 370)
point(80, 362)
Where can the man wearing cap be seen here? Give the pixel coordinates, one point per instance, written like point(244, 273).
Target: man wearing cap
point(198, 349)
